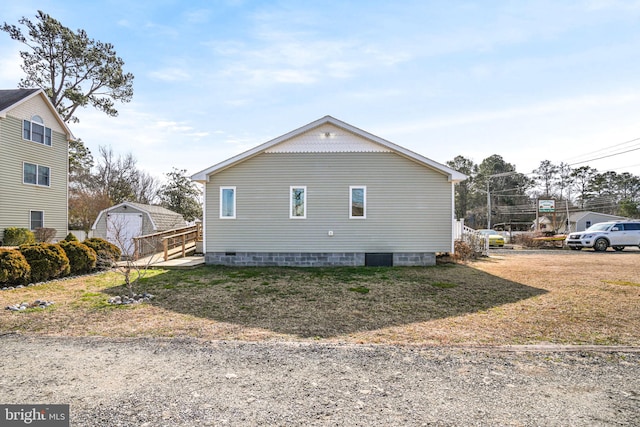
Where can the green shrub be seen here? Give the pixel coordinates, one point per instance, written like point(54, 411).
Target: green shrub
point(47, 261)
point(82, 258)
point(14, 268)
point(71, 238)
point(108, 253)
point(15, 236)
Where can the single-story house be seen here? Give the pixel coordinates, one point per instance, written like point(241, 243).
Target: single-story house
point(120, 223)
point(328, 193)
point(580, 221)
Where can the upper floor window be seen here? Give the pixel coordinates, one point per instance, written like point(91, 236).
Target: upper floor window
point(357, 202)
point(34, 130)
point(228, 202)
point(36, 174)
point(298, 202)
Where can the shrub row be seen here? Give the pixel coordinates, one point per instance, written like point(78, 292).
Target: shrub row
point(37, 262)
point(15, 236)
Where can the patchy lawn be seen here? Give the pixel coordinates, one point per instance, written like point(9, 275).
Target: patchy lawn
point(556, 297)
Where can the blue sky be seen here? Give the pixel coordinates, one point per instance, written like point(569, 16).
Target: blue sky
point(531, 81)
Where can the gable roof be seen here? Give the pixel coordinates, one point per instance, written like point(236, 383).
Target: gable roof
point(10, 98)
point(161, 218)
point(372, 143)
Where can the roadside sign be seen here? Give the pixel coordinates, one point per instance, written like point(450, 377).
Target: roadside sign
point(546, 205)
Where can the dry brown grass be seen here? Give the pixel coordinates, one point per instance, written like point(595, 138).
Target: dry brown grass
point(556, 297)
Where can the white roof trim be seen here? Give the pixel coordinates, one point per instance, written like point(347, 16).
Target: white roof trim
point(153, 224)
point(203, 176)
point(46, 99)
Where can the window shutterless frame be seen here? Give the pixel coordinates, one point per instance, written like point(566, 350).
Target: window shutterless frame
point(33, 174)
point(357, 202)
point(36, 219)
point(227, 202)
point(298, 202)
point(35, 130)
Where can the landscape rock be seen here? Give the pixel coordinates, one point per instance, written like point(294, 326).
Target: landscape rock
point(25, 305)
point(135, 299)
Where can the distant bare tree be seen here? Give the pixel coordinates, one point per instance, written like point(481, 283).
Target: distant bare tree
point(121, 179)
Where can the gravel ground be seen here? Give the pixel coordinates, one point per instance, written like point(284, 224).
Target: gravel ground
point(161, 382)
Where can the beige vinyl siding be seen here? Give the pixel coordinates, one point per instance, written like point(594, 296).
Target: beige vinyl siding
point(36, 106)
point(18, 199)
point(409, 207)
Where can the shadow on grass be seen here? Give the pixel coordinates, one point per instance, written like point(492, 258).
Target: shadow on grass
point(327, 302)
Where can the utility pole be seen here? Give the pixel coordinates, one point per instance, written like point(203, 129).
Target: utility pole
point(489, 194)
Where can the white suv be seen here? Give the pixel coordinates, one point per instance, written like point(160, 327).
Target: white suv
point(616, 234)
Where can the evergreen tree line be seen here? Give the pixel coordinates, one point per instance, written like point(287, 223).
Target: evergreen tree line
point(513, 195)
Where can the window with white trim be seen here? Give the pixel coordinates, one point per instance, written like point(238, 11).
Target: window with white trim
point(36, 219)
point(36, 174)
point(357, 202)
point(297, 202)
point(35, 130)
point(228, 202)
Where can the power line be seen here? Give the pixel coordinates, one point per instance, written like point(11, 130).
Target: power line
point(604, 157)
point(604, 149)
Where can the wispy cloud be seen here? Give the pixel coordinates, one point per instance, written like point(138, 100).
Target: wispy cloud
point(614, 4)
point(575, 105)
point(170, 74)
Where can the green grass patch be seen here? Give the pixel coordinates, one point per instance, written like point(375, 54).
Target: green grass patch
point(444, 285)
point(621, 283)
point(502, 302)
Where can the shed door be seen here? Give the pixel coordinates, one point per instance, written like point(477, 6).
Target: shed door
point(121, 228)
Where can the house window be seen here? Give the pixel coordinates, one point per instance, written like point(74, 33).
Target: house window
point(34, 130)
point(36, 219)
point(298, 202)
point(588, 224)
point(228, 202)
point(357, 202)
point(36, 175)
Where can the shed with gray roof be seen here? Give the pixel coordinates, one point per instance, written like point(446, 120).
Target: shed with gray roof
point(119, 223)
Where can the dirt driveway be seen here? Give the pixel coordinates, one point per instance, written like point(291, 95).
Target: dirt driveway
point(159, 382)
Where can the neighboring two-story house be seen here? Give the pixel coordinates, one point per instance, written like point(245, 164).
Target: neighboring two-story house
point(34, 162)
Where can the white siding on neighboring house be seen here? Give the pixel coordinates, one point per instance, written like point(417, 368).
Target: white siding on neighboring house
point(580, 221)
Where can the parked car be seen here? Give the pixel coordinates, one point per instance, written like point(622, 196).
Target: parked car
point(495, 239)
point(617, 234)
